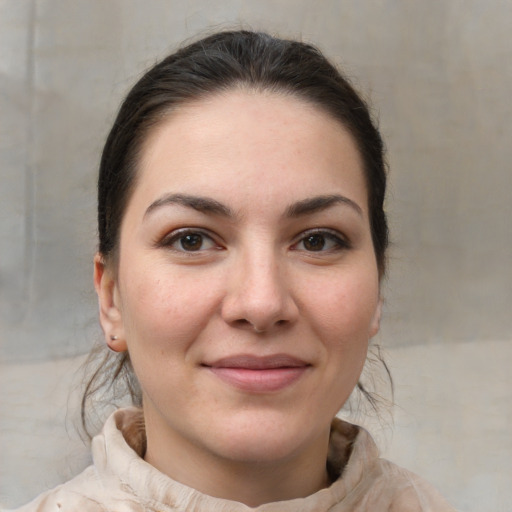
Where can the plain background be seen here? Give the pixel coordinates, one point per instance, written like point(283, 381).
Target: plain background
point(439, 75)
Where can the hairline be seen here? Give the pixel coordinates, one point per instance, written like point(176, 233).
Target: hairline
point(163, 114)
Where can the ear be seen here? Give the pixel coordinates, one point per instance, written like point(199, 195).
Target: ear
point(375, 322)
point(111, 319)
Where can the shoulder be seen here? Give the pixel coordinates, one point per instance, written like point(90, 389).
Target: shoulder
point(409, 492)
point(105, 485)
point(90, 491)
point(369, 482)
point(77, 494)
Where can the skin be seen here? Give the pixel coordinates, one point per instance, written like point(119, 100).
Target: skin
point(257, 282)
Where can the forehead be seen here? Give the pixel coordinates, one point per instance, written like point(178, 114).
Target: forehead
point(251, 143)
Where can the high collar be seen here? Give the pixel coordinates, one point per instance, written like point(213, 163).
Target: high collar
point(118, 452)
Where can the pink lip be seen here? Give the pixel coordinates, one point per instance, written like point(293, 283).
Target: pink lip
point(259, 374)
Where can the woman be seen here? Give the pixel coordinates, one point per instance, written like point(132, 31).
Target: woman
point(242, 244)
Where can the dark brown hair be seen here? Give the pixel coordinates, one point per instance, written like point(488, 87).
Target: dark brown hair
point(217, 63)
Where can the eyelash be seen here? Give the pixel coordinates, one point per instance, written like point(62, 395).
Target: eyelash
point(339, 242)
point(179, 235)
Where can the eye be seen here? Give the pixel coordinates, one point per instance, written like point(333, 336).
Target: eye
point(321, 241)
point(188, 240)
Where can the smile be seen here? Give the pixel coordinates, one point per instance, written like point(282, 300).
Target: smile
point(259, 374)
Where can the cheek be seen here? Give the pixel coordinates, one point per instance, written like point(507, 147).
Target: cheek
point(163, 309)
point(343, 308)
point(344, 319)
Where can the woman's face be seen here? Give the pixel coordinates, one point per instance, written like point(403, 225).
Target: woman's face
point(247, 286)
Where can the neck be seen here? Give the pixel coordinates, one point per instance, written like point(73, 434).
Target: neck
point(250, 482)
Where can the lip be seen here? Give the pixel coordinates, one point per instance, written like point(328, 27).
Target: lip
point(258, 374)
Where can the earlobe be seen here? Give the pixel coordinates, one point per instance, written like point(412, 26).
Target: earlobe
point(111, 319)
point(375, 322)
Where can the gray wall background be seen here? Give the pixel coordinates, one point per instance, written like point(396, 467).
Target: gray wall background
point(439, 74)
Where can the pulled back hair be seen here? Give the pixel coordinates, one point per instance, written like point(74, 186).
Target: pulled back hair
point(218, 63)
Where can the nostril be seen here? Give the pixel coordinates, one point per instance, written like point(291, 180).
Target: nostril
point(242, 322)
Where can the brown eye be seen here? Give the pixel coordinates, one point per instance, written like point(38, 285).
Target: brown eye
point(322, 240)
point(188, 241)
point(191, 242)
point(314, 242)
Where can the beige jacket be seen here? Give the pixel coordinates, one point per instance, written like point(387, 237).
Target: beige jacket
point(121, 481)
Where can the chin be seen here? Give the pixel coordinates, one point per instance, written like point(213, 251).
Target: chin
point(259, 449)
point(265, 440)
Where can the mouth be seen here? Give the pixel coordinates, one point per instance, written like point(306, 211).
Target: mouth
point(257, 374)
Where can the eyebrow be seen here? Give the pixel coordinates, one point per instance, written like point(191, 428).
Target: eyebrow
point(320, 203)
point(199, 203)
point(208, 205)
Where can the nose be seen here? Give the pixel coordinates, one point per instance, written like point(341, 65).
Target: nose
point(258, 296)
